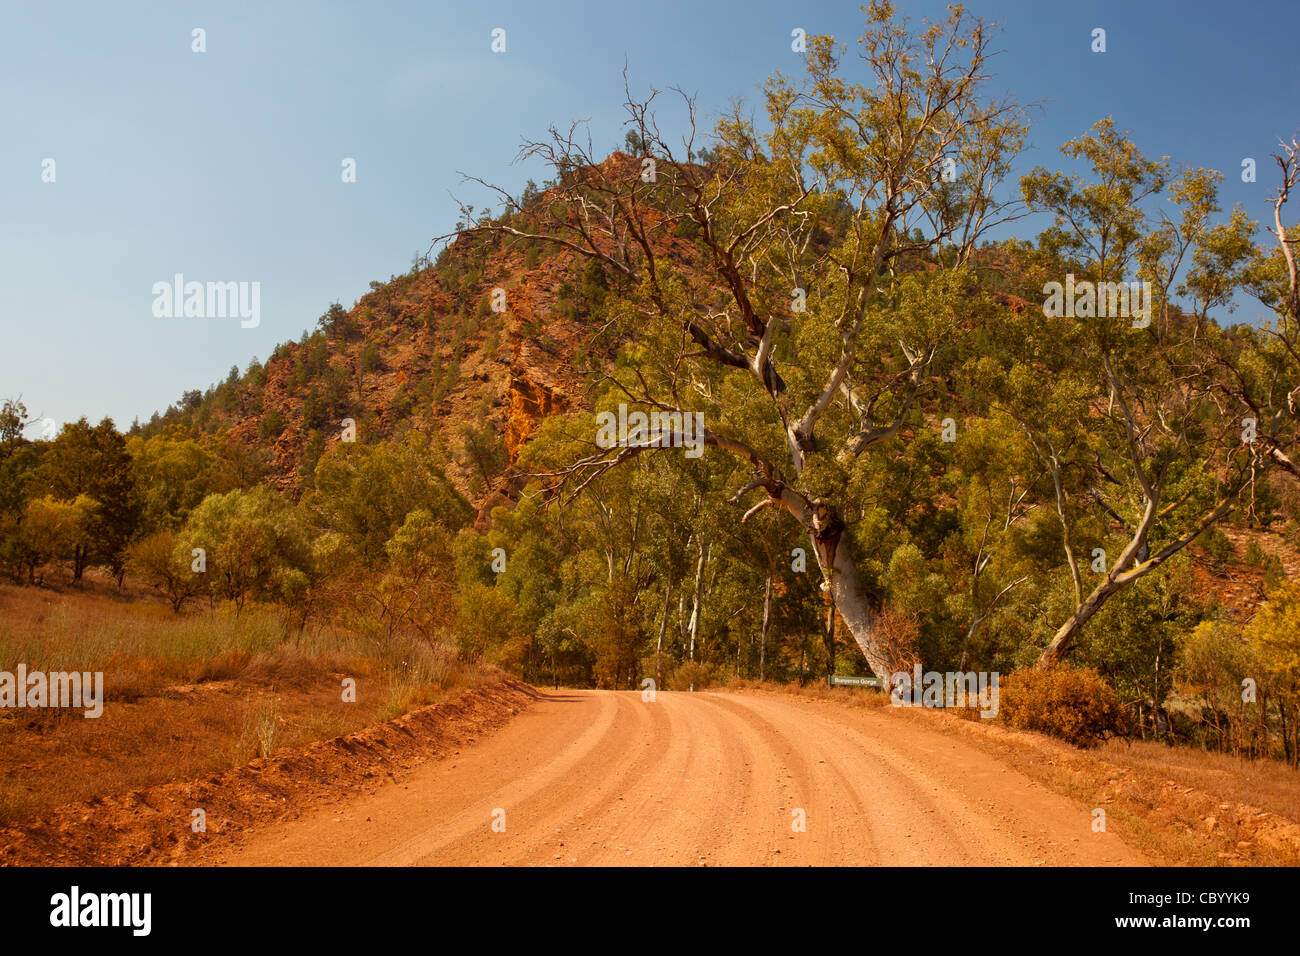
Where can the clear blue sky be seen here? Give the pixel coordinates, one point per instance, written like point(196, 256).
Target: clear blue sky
point(225, 165)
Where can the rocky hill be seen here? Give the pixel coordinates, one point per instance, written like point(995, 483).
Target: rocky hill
point(432, 350)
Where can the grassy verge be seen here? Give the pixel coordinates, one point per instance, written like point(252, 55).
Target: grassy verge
point(189, 695)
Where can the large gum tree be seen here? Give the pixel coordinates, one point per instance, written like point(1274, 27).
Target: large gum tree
point(800, 280)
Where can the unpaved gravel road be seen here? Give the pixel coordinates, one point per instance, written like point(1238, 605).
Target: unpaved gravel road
point(603, 778)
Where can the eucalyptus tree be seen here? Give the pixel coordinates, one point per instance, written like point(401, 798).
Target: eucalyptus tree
point(804, 286)
point(1139, 453)
point(1260, 365)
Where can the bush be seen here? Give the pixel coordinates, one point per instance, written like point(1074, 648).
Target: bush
point(272, 425)
point(1218, 546)
point(158, 559)
point(486, 620)
point(402, 402)
point(1071, 703)
point(690, 675)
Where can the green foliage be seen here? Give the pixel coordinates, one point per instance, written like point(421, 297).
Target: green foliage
point(173, 473)
point(311, 452)
point(483, 453)
point(1217, 546)
point(365, 492)
point(55, 530)
point(254, 544)
point(13, 418)
point(94, 462)
point(1274, 633)
point(159, 560)
point(272, 425)
point(595, 285)
point(485, 620)
point(336, 322)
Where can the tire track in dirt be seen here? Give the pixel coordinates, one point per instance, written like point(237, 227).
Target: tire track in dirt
point(559, 789)
point(956, 801)
point(906, 816)
point(543, 818)
point(606, 778)
point(834, 815)
point(691, 778)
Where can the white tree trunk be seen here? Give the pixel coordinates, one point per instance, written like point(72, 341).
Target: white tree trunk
point(697, 603)
point(663, 626)
point(767, 623)
point(847, 593)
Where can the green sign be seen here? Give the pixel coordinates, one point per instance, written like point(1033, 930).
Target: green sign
point(838, 681)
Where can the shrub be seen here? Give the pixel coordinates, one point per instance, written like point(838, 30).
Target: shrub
point(687, 229)
point(402, 402)
point(690, 675)
point(1218, 546)
point(261, 734)
point(1274, 571)
point(272, 425)
point(486, 620)
point(158, 559)
point(1074, 704)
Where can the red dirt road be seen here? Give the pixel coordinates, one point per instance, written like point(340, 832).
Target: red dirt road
point(603, 778)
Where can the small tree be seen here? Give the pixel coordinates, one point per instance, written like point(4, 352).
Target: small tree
point(1274, 633)
point(250, 540)
point(158, 559)
point(54, 530)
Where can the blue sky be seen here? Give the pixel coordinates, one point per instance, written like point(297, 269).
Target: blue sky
point(225, 165)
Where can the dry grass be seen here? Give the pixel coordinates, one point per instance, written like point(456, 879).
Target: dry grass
point(856, 697)
point(1268, 784)
point(188, 695)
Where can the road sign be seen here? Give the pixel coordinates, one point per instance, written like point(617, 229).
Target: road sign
point(838, 681)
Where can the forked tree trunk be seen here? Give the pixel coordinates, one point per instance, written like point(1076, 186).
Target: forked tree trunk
point(1066, 633)
point(1125, 573)
point(850, 598)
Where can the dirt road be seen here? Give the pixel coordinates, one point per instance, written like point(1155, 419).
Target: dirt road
point(603, 778)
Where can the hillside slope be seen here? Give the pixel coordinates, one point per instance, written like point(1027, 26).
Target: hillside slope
point(425, 350)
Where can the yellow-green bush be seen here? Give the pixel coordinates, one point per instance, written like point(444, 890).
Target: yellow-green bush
point(1072, 703)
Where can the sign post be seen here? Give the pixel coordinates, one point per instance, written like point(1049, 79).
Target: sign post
point(837, 681)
